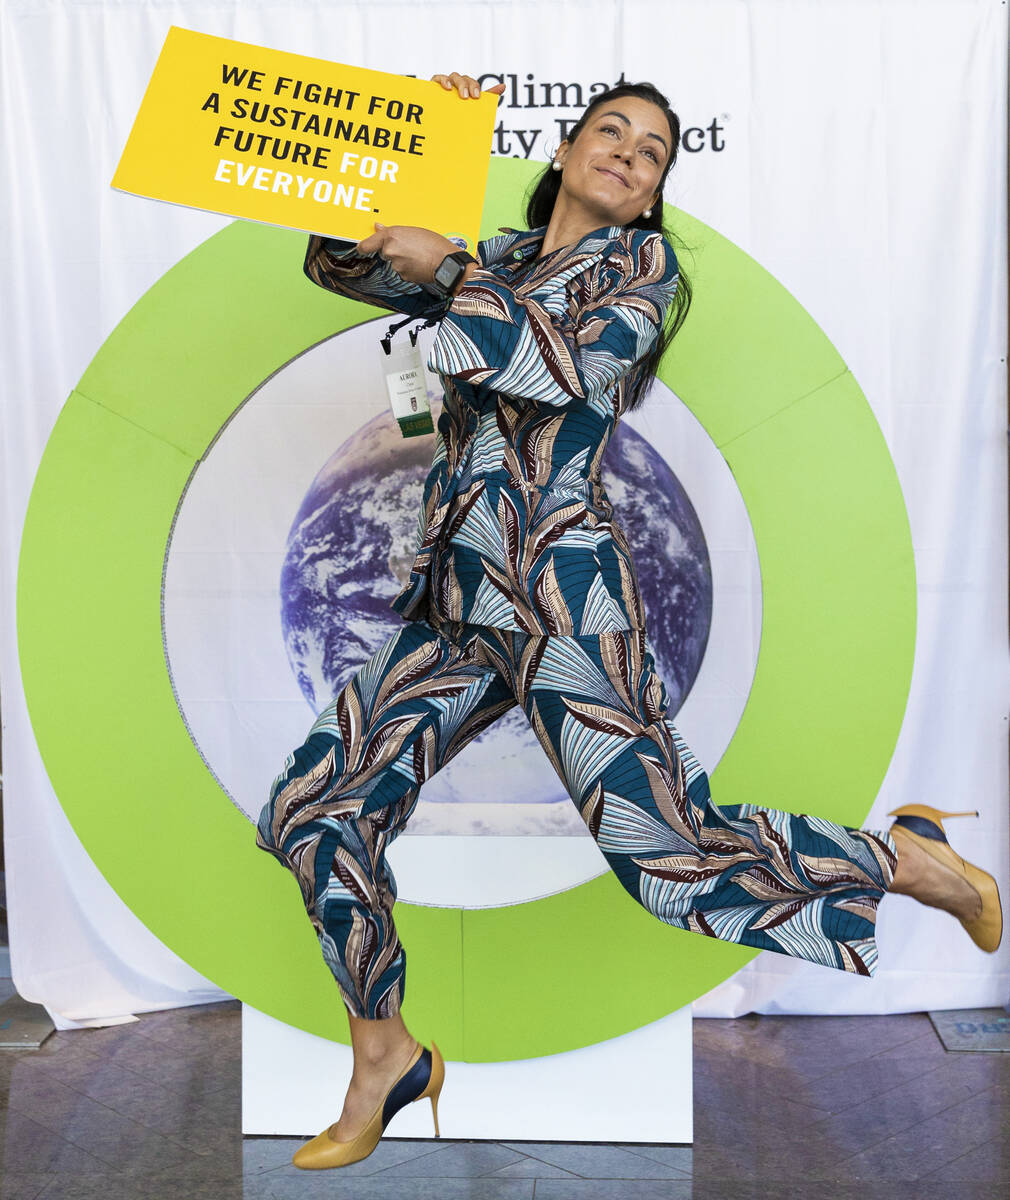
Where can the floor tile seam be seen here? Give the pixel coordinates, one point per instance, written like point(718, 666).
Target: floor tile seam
point(36, 1194)
point(28, 1116)
point(644, 1152)
point(725, 1062)
point(80, 1091)
point(170, 1019)
point(649, 1157)
point(220, 1031)
point(413, 1158)
point(827, 1112)
point(548, 1163)
point(905, 1084)
point(565, 1174)
point(95, 1100)
point(106, 1061)
point(210, 1112)
point(946, 1060)
point(154, 1036)
point(852, 1063)
point(170, 1174)
point(775, 1136)
point(215, 1044)
point(163, 1085)
point(964, 1100)
point(679, 1177)
point(251, 1175)
point(771, 1183)
point(501, 1167)
point(808, 1078)
point(772, 1119)
point(835, 1071)
point(36, 1061)
point(756, 1024)
point(47, 1177)
point(269, 1170)
point(899, 1132)
point(115, 1162)
point(173, 1137)
point(196, 1058)
point(833, 1115)
point(482, 1175)
point(930, 1176)
point(519, 1179)
point(680, 1173)
point(871, 1145)
point(198, 1155)
point(58, 1136)
point(235, 1083)
point(856, 1062)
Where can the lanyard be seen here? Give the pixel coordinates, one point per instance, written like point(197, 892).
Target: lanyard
point(406, 383)
point(386, 340)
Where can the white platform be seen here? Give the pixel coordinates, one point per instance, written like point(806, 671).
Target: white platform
point(632, 1088)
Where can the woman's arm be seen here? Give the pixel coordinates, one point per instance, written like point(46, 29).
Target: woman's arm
point(513, 345)
point(392, 267)
point(339, 267)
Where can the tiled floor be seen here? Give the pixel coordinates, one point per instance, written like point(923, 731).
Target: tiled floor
point(839, 1108)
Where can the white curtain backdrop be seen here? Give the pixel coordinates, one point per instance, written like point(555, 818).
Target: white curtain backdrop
point(854, 148)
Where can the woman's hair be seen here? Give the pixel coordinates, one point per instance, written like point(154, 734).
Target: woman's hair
point(540, 206)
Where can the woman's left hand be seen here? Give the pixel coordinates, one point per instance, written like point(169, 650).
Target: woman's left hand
point(466, 85)
point(413, 252)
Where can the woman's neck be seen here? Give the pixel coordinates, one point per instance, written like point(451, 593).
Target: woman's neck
point(569, 224)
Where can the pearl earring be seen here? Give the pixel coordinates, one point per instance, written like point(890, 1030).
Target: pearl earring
point(646, 212)
point(556, 165)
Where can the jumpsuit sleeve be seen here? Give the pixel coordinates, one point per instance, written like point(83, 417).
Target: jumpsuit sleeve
point(334, 265)
point(514, 344)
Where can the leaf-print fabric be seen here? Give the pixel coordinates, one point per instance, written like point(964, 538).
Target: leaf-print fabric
point(796, 884)
point(535, 356)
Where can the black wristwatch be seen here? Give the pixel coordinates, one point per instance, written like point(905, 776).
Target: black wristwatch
point(450, 271)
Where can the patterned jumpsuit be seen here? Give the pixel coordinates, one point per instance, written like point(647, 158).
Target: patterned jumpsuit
point(523, 592)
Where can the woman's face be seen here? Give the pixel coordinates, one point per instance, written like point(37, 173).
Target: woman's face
point(614, 165)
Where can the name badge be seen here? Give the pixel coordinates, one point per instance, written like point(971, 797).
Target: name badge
point(407, 386)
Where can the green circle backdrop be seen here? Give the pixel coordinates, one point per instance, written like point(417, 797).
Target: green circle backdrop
point(818, 731)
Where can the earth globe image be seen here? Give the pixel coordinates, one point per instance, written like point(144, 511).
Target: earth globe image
point(350, 548)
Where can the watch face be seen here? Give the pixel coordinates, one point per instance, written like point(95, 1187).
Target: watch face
point(447, 272)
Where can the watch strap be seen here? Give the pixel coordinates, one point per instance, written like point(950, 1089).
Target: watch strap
point(447, 282)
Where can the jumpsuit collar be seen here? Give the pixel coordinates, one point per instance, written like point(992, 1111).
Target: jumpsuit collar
point(528, 242)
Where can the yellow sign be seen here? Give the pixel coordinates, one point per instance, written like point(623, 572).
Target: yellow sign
point(296, 141)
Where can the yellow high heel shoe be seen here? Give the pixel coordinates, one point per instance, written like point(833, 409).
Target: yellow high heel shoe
point(423, 1076)
point(924, 826)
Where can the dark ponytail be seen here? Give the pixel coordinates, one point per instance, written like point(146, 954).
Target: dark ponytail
point(540, 205)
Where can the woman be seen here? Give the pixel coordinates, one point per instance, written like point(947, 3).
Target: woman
point(523, 591)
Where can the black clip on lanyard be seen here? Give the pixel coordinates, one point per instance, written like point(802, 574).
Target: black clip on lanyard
point(386, 341)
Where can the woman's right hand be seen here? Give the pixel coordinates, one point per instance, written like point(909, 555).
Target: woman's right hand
point(466, 85)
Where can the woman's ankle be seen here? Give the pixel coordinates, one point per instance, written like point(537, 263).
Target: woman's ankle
point(919, 875)
point(380, 1043)
point(382, 1056)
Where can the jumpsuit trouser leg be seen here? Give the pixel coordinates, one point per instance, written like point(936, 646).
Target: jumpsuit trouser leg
point(348, 791)
point(796, 884)
point(793, 883)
